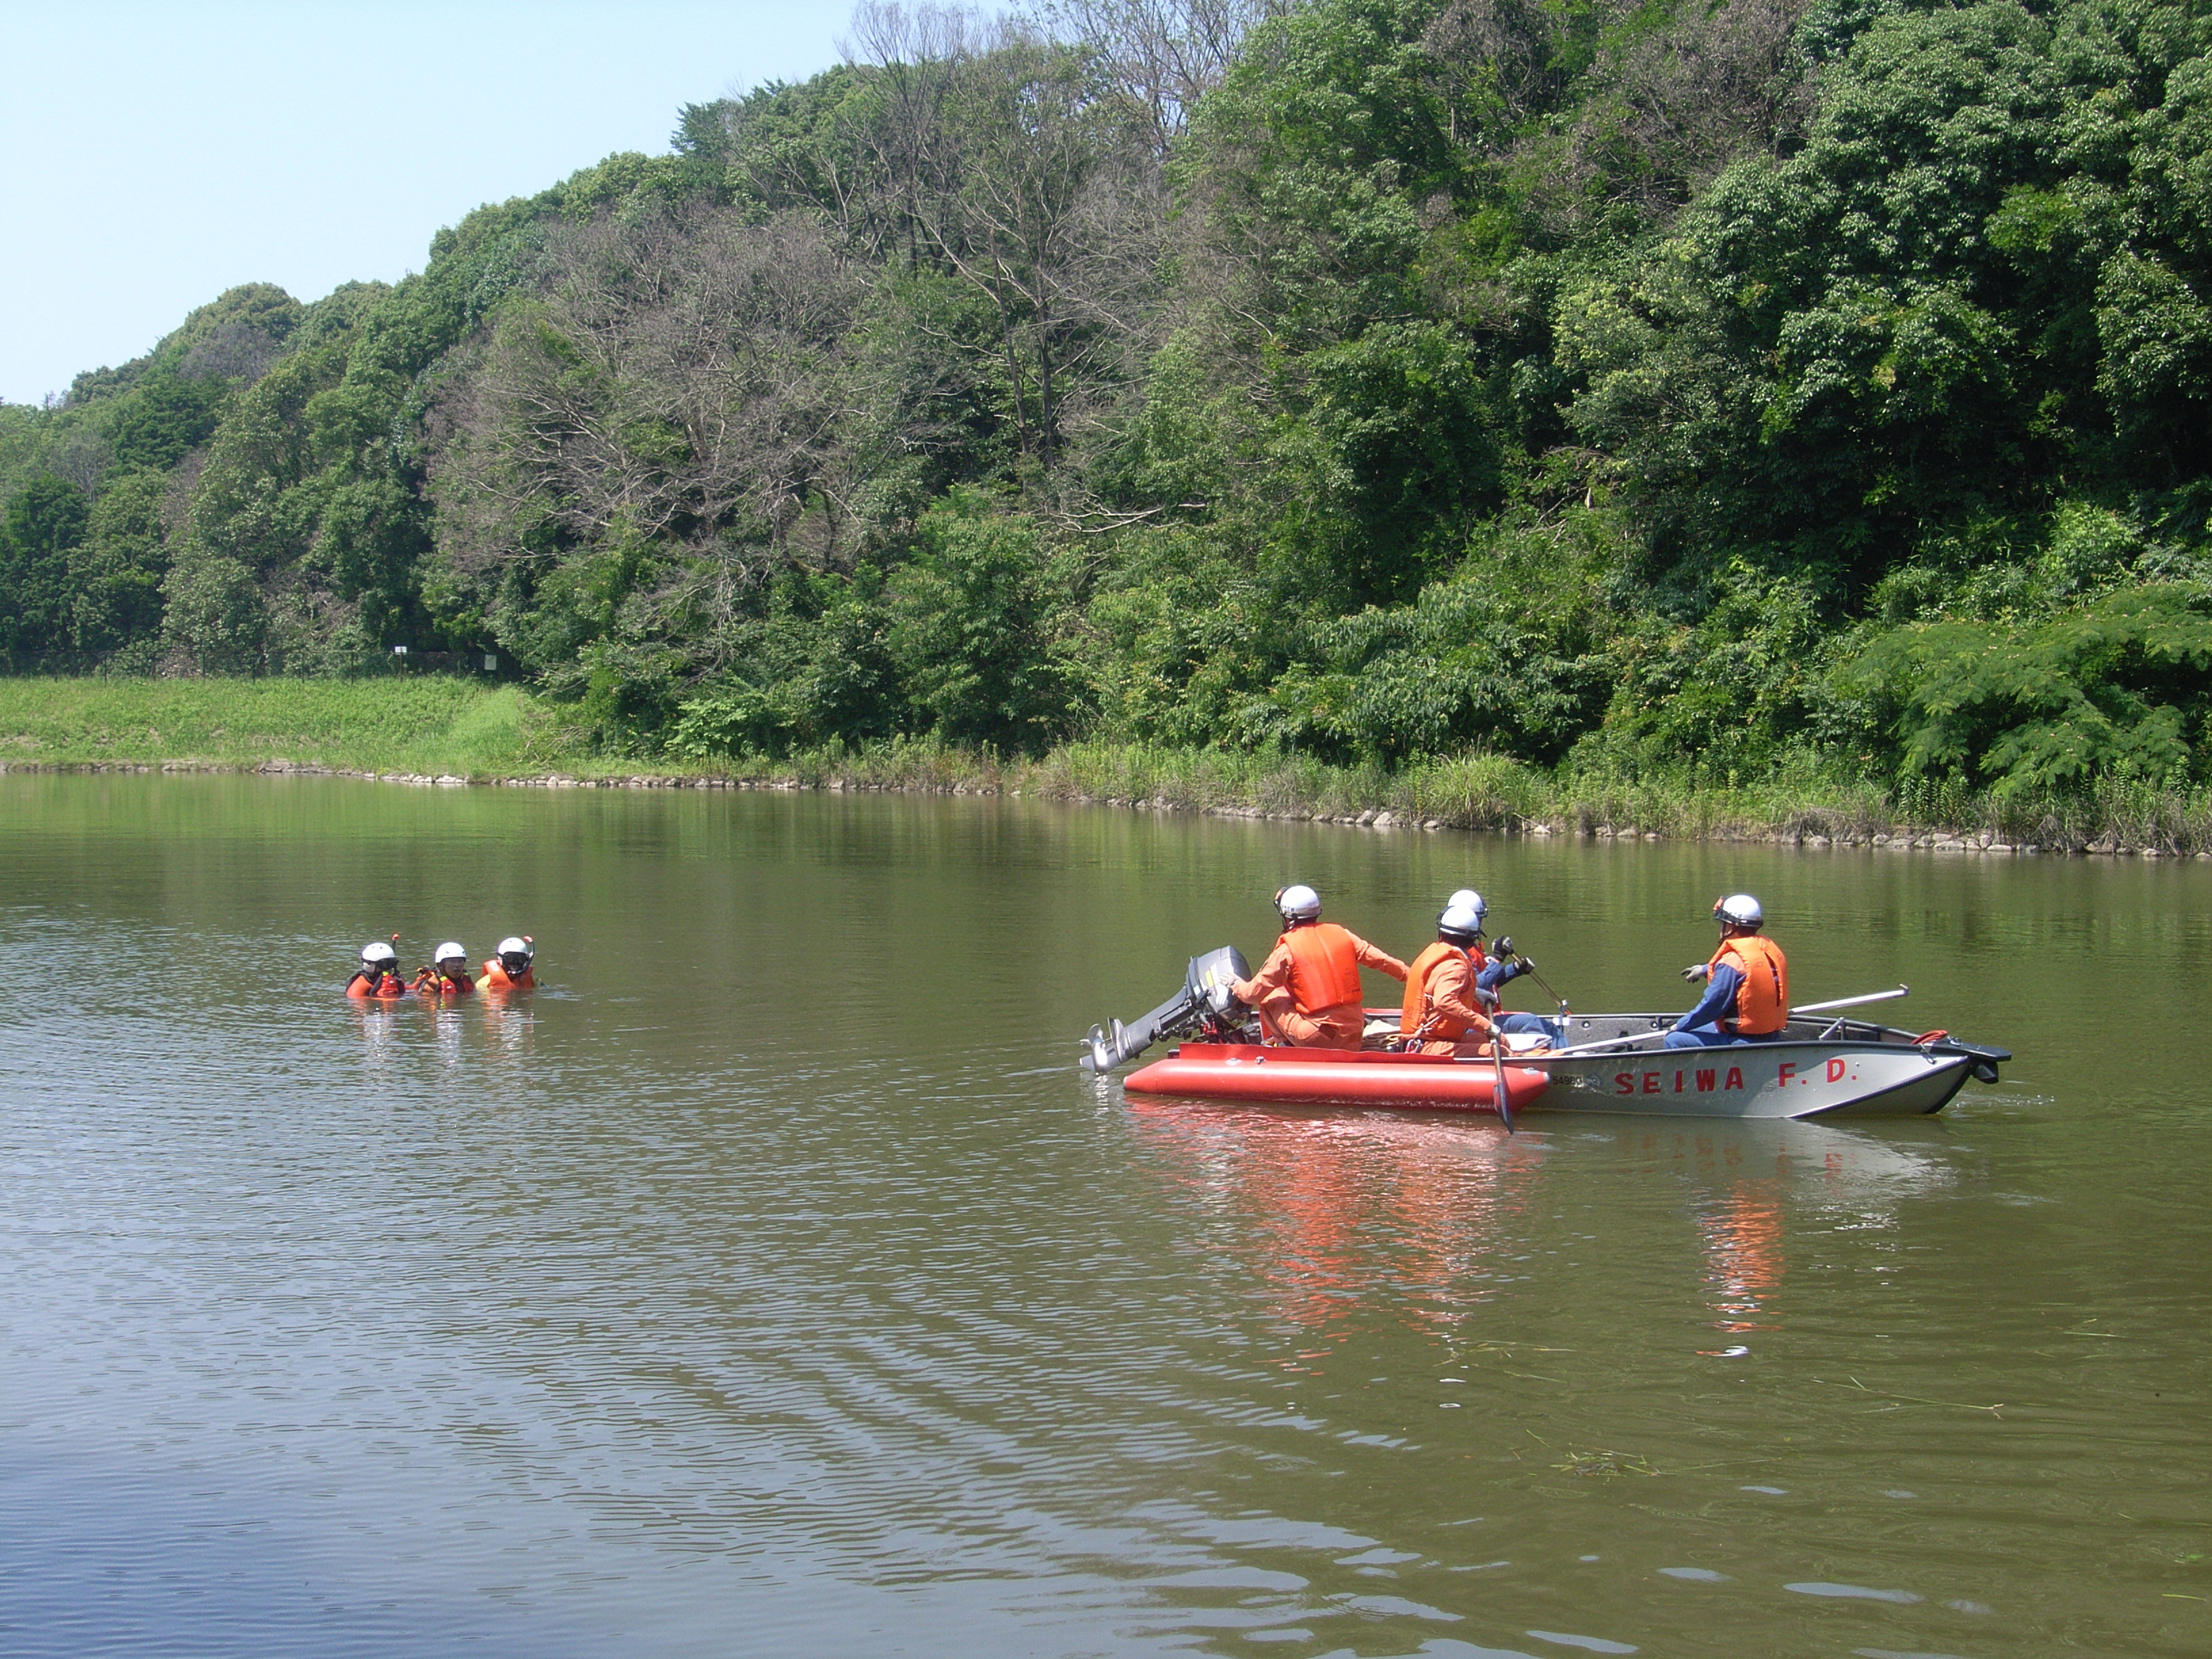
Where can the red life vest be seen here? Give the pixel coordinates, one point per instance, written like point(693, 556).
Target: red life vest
point(1415, 1010)
point(388, 985)
point(444, 985)
point(495, 979)
point(1762, 1001)
point(1324, 967)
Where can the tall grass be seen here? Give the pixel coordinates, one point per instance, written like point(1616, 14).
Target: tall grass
point(440, 725)
point(1471, 792)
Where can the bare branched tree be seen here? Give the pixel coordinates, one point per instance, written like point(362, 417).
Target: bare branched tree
point(233, 350)
point(1499, 64)
point(1164, 54)
point(1677, 97)
point(1723, 80)
point(1014, 164)
point(679, 382)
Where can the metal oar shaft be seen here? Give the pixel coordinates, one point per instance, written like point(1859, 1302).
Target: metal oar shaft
point(1612, 1045)
point(1852, 1002)
point(1616, 1044)
point(1548, 991)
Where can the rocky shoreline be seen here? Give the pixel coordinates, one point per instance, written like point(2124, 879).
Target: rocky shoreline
point(1969, 842)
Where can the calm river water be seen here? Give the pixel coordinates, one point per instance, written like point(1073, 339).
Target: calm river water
point(770, 1282)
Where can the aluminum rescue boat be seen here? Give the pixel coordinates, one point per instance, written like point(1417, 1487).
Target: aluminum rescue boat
point(1819, 1066)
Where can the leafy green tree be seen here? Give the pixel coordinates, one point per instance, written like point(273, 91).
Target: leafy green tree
point(814, 668)
point(115, 574)
point(977, 631)
point(43, 524)
point(162, 418)
point(214, 618)
point(2116, 688)
point(1819, 364)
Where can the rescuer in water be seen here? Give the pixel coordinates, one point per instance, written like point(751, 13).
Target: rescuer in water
point(450, 978)
point(1307, 991)
point(1491, 975)
point(510, 969)
point(1441, 1010)
point(1747, 983)
point(380, 973)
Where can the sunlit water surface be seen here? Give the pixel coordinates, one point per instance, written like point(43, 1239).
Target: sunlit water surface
point(769, 1282)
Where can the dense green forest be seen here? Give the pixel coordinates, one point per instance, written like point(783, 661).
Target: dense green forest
point(1664, 389)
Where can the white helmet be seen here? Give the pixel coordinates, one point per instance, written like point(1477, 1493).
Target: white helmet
point(1461, 923)
point(376, 953)
point(1740, 909)
point(450, 952)
point(512, 946)
point(1298, 903)
point(1472, 901)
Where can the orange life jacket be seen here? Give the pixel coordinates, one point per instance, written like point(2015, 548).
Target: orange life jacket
point(1416, 1009)
point(390, 985)
point(495, 979)
point(443, 984)
point(1762, 1001)
point(1324, 967)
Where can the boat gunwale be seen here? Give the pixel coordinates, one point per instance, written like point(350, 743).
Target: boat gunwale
point(1883, 1039)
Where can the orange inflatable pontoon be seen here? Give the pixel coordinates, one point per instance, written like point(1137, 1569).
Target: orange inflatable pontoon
point(1335, 1077)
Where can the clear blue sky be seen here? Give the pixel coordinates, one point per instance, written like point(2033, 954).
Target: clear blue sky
point(152, 155)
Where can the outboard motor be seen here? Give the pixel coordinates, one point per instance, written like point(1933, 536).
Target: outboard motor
point(1204, 1007)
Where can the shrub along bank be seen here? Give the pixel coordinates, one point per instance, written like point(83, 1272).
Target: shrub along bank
point(442, 727)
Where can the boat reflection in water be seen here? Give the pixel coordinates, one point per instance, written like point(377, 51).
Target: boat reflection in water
point(1345, 1217)
point(1809, 1161)
point(1337, 1214)
point(1751, 1176)
point(1742, 1242)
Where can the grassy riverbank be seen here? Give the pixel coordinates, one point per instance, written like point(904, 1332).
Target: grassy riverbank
point(434, 727)
point(430, 723)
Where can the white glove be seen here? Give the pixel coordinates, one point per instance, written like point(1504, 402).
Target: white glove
point(1698, 972)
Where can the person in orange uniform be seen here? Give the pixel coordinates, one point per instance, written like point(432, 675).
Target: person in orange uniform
point(380, 973)
point(1492, 975)
point(510, 969)
point(1747, 983)
point(1442, 1010)
point(450, 978)
point(1307, 992)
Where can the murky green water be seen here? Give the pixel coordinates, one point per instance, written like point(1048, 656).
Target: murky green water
point(770, 1282)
